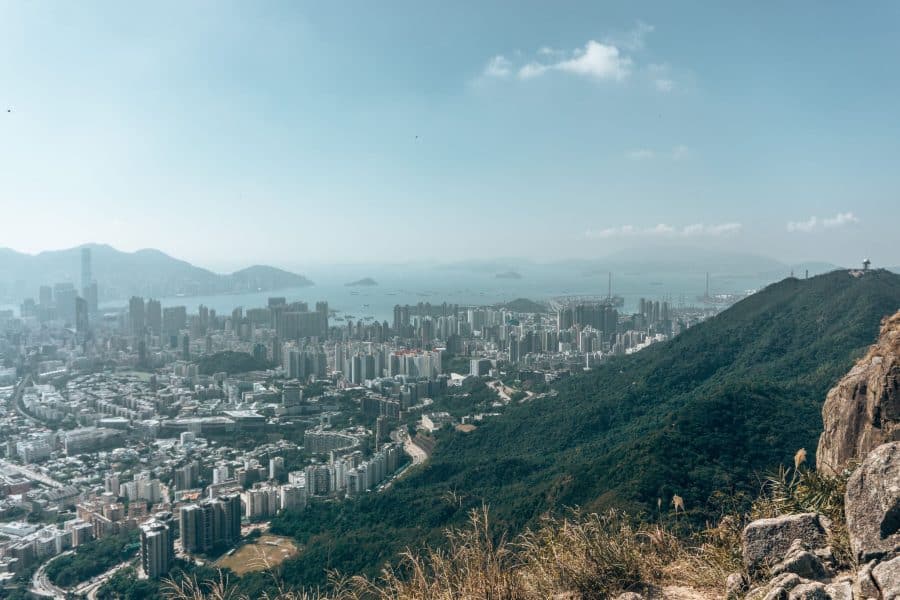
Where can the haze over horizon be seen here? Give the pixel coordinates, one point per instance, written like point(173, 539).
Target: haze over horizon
point(228, 134)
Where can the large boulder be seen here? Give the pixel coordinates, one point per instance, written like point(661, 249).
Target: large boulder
point(809, 591)
point(872, 504)
point(842, 590)
point(765, 542)
point(887, 578)
point(863, 410)
point(802, 562)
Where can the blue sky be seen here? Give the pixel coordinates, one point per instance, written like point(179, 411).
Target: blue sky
point(287, 132)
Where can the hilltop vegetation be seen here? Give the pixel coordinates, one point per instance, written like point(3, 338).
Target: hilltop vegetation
point(230, 362)
point(705, 413)
point(524, 305)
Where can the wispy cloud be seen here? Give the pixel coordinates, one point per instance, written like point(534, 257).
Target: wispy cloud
point(815, 223)
point(499, 66)
point(679, 152)
point(840, 219)
point(664, 85)
point(640, 154)
point(598, 59)
point(661, 77)
point(612, 57)
point(633, 39)
point(595, 60)
point(662, 229)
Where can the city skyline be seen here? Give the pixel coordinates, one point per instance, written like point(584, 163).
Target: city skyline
point(290, 128)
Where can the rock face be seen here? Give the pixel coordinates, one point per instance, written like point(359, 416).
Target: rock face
point(863, 410)
point(802, 562)
point(766, 542)
point(872, 504)
point(887, 578)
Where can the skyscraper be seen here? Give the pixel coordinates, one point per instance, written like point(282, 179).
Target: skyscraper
point(86, 275)
point(81, 316)
point(157, 546)
point(154, 316)
point(64, 295)
point(136, 315)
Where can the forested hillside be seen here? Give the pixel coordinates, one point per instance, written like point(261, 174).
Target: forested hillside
point(707, 412)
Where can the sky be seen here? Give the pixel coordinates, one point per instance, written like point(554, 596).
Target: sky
point(333, 132)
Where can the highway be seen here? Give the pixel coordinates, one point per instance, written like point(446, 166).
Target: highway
point(17, 400)
point(40, 583)
point(91, 587)
point(416, 452)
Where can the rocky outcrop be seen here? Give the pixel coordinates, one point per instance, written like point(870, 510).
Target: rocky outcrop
point(767, 542)
point(805, 568)
point(863, 410)
point(862, 432)
point(872, 504)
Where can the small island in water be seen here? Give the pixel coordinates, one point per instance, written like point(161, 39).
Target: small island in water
point(508, 275)
point(365, 281)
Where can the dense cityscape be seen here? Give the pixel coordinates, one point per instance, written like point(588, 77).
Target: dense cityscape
point(181, 434)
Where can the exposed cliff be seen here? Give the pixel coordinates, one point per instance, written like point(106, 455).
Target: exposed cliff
point(863, 410)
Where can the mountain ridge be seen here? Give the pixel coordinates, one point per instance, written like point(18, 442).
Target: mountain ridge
point(120, 274)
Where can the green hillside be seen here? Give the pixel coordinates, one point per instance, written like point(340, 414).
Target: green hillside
point(708, 411)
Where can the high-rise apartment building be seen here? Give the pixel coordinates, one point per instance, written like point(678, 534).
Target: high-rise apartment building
point(157, 546)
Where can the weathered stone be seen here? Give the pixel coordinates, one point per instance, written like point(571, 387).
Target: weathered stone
point(872, 503)
point(840, 591)
point(777, 589)
point(887, 577)
point(787, 581)
point(863, 410)
point(766, 541)
point(735, 584)
point(803, 563)
point(826, 555)
point(778, 593)
point(865, 585)
point(809, 591)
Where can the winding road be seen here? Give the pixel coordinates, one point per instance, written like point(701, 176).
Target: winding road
point(40, 583)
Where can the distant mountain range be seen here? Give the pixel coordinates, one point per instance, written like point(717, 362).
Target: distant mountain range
point(649, 259)
point(120, 275)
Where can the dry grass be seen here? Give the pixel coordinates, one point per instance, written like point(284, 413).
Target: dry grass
point(593, 556)
point(801, 489)
point(589, 556)
point(265, 553)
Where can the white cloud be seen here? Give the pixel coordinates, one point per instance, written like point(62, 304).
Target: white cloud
point(640, 154)
point(662, 229)
point(679, 152)
point(659, 75)
point(609, 58)
point(594, 60)
point(813, 223)
point(532, 70)
point(803, 226)
point(597, 60)
point(499, 66)
point(664, 85)
point(723, 229)
point(840, 220)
